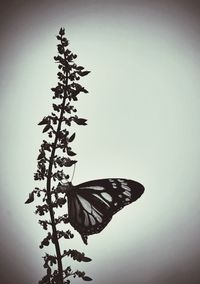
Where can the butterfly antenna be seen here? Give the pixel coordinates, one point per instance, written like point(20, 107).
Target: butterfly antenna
point(73, 173)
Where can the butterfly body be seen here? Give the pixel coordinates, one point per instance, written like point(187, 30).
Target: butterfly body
point(92, 204)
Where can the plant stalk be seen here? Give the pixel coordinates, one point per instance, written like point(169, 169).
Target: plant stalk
point(49, 201)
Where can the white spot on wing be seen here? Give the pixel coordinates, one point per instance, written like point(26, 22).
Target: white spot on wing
point(96, 215)
point(101, 198)
point(114, 185)
point(126, 187)
point(86, 205)
point(127, 193)
point(94, 187)
point(86, 221)
point(92, 220)
point(107, 196)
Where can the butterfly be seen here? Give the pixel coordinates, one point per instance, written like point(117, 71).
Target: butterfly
point(92, 204)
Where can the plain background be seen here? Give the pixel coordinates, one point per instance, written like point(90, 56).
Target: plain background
point(143, 123)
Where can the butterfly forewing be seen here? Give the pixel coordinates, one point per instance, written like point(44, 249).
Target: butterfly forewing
point(92, 204)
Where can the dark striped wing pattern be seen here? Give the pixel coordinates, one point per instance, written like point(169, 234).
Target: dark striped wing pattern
point(92, 204)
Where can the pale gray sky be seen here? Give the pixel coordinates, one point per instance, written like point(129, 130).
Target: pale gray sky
point(143, 124)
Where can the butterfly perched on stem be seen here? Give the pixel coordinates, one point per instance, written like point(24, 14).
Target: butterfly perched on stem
point(92, 204)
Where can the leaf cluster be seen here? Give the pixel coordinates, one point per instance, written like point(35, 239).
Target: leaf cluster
point(53, 277)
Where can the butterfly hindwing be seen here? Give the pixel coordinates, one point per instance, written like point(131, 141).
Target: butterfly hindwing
point(92, 204)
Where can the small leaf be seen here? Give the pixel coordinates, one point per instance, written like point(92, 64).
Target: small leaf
point(84, 91)
point(80, 68)
point(83, 73)
point(43, 121)
point(56, 107)
point(47, 147)
point(86, 278)
point(30, 198)
point(47, 127)
point(62, 31)
point(80, 121)
point(86, 259)
point(60, 49)
point(45, 242)
point(70, 153)
point(69, 162)
point(71, 138)
point(65, 42)
point(41, 155)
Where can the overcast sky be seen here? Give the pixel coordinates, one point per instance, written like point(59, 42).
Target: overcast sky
point(143, 124)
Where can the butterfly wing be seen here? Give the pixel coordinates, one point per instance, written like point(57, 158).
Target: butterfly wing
point(92, 204)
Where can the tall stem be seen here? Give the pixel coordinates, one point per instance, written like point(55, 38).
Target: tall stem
point(49, 201)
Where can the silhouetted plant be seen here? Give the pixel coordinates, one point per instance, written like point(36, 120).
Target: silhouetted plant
point(51, 163)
